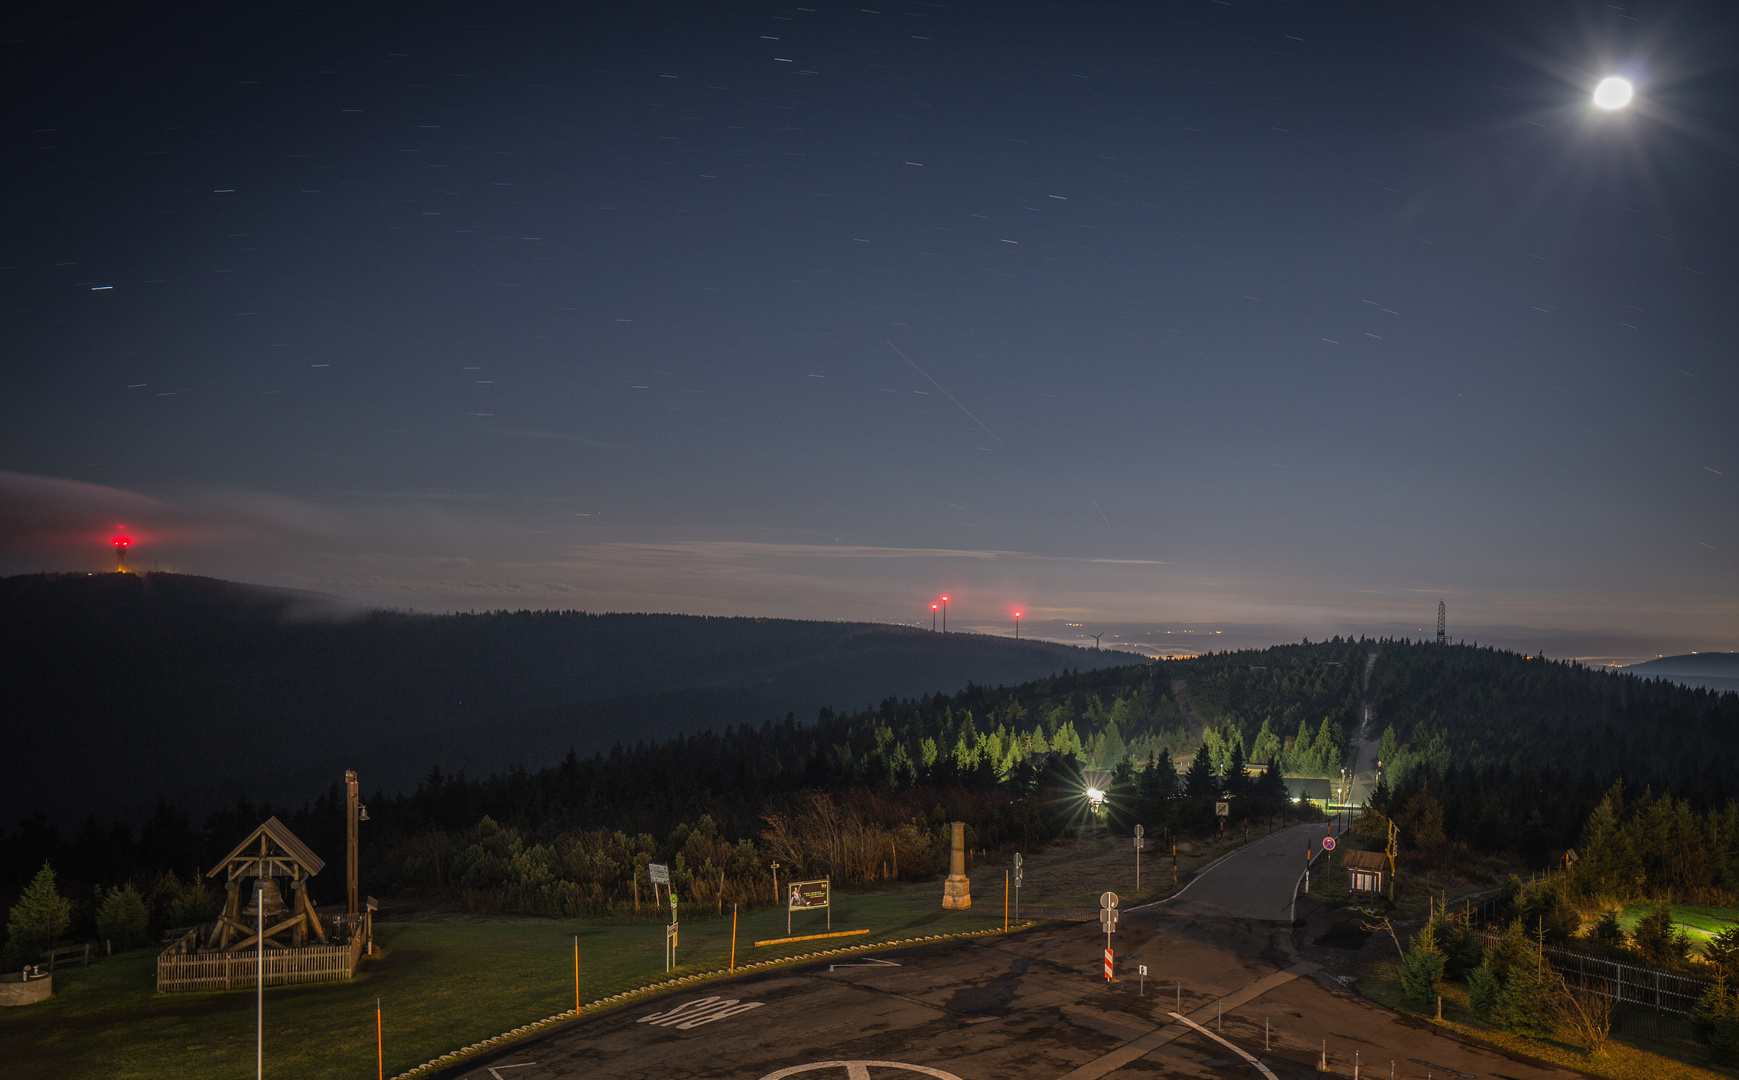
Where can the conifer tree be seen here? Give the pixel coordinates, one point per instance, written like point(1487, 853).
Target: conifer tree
point(38, 919)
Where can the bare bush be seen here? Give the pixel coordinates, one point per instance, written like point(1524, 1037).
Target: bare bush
point(1582, 1009)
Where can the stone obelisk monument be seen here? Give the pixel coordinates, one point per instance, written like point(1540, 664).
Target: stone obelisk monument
point(957, 890)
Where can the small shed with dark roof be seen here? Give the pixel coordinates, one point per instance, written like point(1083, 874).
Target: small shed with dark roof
point(1367, 871)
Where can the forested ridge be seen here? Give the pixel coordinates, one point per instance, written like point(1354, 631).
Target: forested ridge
point(1484, 749)
point(1491, 709)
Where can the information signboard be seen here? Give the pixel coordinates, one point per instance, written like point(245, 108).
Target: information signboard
point(805, 895)
point(659, 872)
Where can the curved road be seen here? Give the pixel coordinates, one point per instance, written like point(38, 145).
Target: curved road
point(1259, 881)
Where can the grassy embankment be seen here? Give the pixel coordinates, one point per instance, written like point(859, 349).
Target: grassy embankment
point(441, 986)
point(1699, 923)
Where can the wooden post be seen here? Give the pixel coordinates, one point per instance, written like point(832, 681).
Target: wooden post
point(352, 805)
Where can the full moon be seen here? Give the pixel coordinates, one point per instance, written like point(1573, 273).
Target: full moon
point(1613, 93)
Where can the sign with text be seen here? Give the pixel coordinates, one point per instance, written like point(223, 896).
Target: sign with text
point(659, 873)
point(805, 895)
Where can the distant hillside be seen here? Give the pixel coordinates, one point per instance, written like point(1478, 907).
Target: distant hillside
point(1717, 671)
point(121, 689)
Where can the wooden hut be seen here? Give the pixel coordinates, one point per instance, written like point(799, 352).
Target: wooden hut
point(1367, 871)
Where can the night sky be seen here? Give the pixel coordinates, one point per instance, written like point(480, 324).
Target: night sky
point(1310, 314)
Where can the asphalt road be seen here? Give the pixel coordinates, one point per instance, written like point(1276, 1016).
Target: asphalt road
point(1258, 882)
point(1224, 977)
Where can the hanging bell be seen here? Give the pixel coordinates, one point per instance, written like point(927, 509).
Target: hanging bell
point(274, 898)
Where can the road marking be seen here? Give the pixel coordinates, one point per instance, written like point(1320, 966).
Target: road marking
point(692, 1014)
point(868, 961)
point(1230, 1046)
point(859, 1070)
point(1106, 1064)
point(518, 1065)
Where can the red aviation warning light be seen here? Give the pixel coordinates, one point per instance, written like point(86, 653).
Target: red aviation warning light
point(122, 542)
point(1017, 626)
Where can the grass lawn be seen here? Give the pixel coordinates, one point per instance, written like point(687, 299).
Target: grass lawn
point(1629, 1055)
point(1698, 923)
point(441, 986)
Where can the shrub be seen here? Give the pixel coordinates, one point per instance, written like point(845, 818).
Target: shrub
point(1607, 932)
point(174, 903)
point(1658, 940)
point(1423, 968)
point(1524, 1005)
point(1462, 949)
point(1715, 1021)
point(1482, 990)
point(1509, 951)
point(1723, 952)
point(1584, 1012)
point(122, 918)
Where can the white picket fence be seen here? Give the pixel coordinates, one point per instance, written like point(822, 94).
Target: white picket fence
point(232, 971)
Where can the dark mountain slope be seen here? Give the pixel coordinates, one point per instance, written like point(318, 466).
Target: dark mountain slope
point(120, 689)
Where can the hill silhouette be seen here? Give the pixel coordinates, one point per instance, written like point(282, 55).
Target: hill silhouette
point(123, 689)
point(1717, 671)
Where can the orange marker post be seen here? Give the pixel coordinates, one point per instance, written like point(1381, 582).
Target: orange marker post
point(379, 1044)
point(576, 974)
point(733, 937)
point(1005, 901)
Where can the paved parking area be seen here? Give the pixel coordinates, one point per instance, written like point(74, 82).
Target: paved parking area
point(1224, 978)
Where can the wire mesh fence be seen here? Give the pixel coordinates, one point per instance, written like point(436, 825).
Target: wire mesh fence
point(1625, 984)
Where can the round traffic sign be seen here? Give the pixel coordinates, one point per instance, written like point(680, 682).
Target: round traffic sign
point(1140, 832)
point(1017, 859)
point(1108, 900)
point(1328, 843)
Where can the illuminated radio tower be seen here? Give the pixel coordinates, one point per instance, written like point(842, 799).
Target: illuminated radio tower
point(122, 543)
point(1442, 625)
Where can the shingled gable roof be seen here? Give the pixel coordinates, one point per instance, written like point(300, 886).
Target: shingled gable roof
point(1365, 860)
point(279, 834)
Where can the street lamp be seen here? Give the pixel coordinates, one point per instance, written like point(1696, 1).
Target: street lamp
point(260, 999)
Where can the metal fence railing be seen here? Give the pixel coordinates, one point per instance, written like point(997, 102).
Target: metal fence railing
point(1626, 984)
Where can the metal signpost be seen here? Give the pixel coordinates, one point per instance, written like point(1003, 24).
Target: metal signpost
point(1108, 922)
point(670, 935)
point(808, 896)
point(1139, 833)
point(1017, 872)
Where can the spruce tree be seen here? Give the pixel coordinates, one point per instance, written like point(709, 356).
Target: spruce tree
point(37, 920)
point(1200, 782)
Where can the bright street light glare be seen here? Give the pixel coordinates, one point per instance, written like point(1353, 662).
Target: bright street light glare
point(1095, 796)
point(1613, 93)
